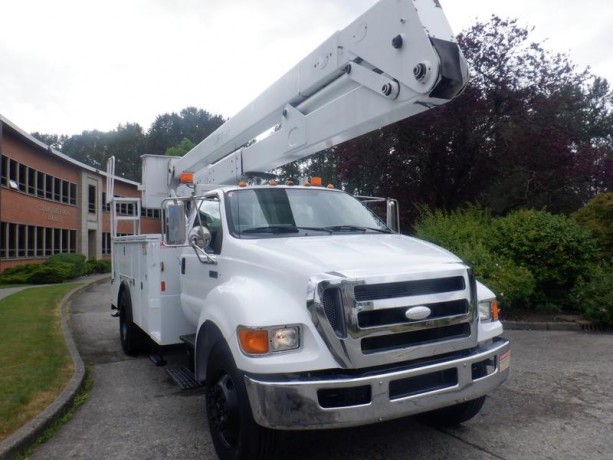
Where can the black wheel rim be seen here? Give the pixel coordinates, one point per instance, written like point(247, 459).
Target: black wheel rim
point(224, 414)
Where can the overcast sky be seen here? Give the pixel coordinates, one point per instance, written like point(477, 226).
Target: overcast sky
point(73, 65)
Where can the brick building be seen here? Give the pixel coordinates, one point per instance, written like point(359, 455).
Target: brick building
point(51, 203)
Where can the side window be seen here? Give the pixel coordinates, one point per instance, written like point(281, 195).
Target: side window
point(210, 216)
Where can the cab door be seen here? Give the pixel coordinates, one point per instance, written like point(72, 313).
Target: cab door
point(198, 279)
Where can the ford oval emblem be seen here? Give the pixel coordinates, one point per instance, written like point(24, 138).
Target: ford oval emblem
point(417, 313)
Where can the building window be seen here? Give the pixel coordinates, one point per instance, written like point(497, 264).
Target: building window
point(40, 241)
point(48, 187)
point(65, 192)
point(31, 181)
point(4, 167)
point(73, 193)
point(106, 243)
point(91, 199)
point(31, 248)
point(40, 184)
point(28, 241)
point(150, 212)
point(23, 178)
point(21, 241)
point(28, 180)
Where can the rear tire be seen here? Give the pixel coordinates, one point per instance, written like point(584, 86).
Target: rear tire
point(133, 339)
point(454, 415)
point(234, 431)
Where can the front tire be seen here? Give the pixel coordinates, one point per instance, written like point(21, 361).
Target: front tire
point(234, 431)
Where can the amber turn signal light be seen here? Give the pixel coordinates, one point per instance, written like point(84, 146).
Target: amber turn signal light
point(253, 341)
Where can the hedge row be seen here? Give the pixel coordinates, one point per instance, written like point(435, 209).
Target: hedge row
point(56, 269)
point(532, 260)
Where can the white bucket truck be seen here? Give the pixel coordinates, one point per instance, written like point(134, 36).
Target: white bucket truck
point(302, 309)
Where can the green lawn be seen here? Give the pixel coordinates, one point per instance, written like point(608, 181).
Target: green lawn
point(34, 362)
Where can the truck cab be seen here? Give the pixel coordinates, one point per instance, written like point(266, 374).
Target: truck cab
point(327, 318)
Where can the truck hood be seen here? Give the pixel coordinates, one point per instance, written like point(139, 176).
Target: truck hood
point(349, 255)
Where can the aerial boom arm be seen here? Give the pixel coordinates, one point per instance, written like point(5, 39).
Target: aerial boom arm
point(398, 59)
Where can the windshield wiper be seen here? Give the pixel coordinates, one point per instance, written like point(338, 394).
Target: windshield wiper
point(354, 228)
point(317, 229)
point(272, 229)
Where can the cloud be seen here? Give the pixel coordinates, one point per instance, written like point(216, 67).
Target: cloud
point(70, 65)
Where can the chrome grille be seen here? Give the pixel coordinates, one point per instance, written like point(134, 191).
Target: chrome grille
point(388, 316)
point(364, 321)
point(414, 338)
point(408, 288)
point(333, 307)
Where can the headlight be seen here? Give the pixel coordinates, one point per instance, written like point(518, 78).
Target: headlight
point(488, 310)
point(263, 341)
point(287, 338)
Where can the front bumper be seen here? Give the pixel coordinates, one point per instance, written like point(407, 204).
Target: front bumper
point(296, 405)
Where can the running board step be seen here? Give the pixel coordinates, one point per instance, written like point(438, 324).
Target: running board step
point(183, 377)
point(189, 340)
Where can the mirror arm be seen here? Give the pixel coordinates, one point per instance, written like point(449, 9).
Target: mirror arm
point(203, 257)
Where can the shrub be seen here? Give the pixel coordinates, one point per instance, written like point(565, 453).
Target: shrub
point(597, 217)
point(555, 249)
point(465, 233)
point(94, 266)
point(18, 274)
point(76, 261)
point(512, 284)
point(56, 272)
point(594, 298)
point(456, 229)
point(37, 273)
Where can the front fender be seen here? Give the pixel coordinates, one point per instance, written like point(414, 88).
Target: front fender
point(248, 302)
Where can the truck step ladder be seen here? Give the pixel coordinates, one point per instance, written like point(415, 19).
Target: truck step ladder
point(183, 377)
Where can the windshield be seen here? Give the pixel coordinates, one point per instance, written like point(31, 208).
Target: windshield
point(266, 212)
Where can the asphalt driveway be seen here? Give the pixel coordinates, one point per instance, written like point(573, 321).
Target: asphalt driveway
point(557, 404)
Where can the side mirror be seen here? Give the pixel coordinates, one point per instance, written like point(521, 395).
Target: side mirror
point(393, 215)
point(174, 222)
point(199, 236)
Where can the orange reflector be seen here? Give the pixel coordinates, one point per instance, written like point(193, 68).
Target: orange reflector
point(242, 184)
point(272, 182)
point(495, 310)
point(163, 286)
point(504, 361)
point(307, 184)
point(289, 182)
point(330, 186)
point(316, 181)
point(253, 341)
point(186, 178)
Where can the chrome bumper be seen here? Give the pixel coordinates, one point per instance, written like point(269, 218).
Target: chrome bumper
point(295, 405)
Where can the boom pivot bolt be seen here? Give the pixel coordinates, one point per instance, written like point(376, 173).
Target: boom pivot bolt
point(397, 41)
point(419, 71)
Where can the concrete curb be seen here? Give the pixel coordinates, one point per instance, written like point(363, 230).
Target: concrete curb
point(29, 433)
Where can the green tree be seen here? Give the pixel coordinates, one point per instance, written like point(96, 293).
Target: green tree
point(170, 128)
point(127, 144)
point(94, 148)
point(181, 148)
point(89, 147)
point(597, 217)
point(55, 141)
point(530, 130)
